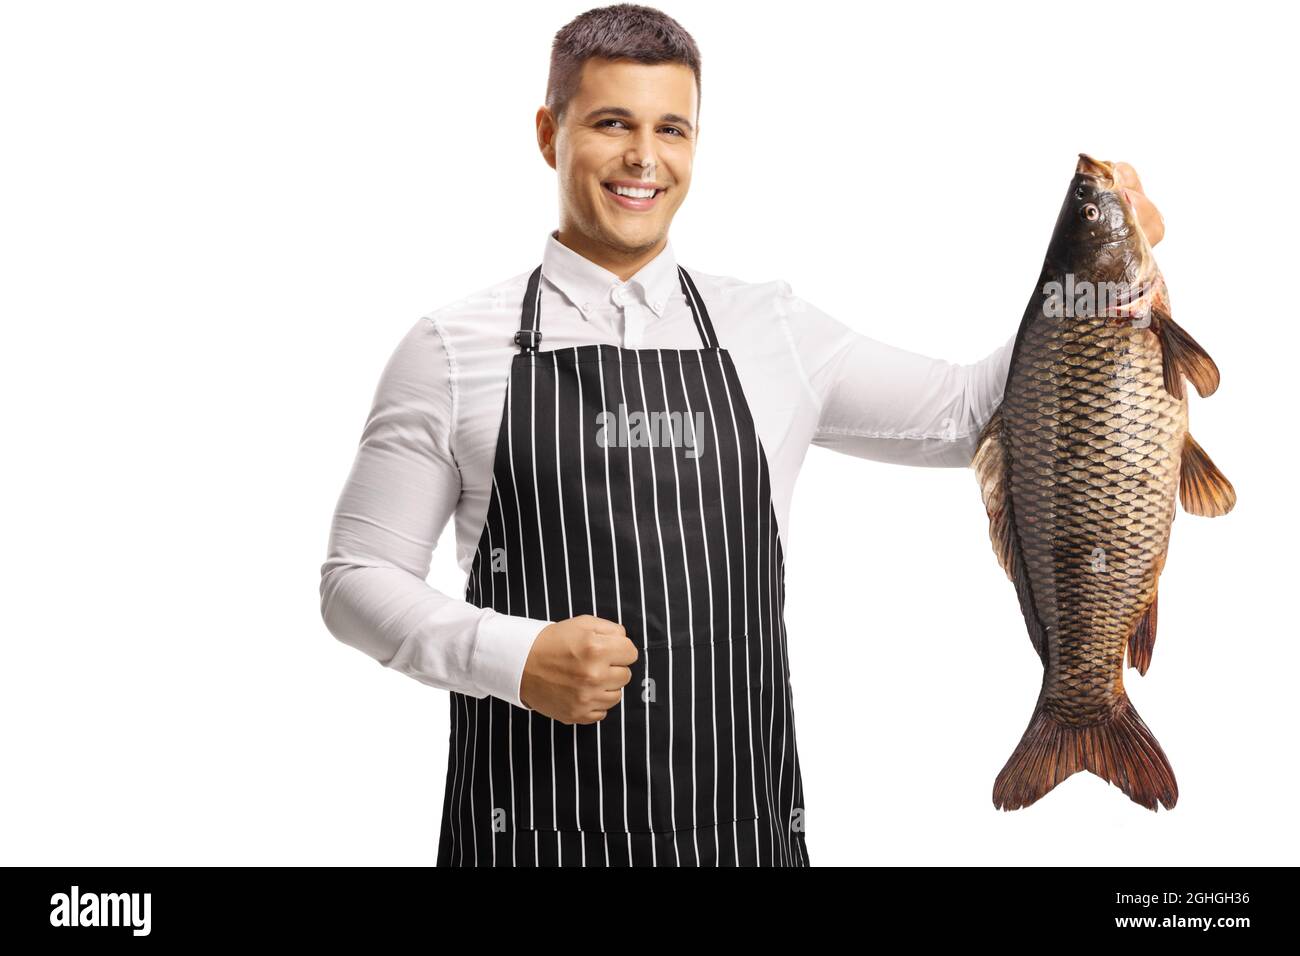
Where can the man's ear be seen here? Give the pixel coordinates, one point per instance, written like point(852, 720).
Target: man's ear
point(547, 129)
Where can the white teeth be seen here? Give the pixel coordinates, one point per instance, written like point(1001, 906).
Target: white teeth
point(633, 193)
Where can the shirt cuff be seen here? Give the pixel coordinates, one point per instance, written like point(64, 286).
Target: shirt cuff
point(501, 651)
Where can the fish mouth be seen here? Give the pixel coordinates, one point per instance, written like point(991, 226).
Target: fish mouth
point(1096, 168)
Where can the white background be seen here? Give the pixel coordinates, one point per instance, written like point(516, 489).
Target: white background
point(220, 218)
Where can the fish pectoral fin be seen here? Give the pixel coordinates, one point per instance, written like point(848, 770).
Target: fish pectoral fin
point(1202, 488)
point(990, 464)
point(1183, 358)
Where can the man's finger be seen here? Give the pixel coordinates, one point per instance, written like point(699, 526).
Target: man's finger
point(1148, 216)
point(1127, 176)
point(604, 625)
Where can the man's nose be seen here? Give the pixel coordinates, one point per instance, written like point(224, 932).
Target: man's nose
point(648, 171)
point(641, 155)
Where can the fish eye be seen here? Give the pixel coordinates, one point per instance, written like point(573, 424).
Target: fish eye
point(1091, 212)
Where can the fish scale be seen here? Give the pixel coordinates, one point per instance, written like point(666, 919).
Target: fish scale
point(1081, 467)
point(1093, 407)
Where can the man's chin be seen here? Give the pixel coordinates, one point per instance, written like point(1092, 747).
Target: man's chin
point(633, 241)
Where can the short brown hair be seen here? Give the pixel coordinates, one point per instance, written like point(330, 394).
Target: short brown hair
point(624, 31)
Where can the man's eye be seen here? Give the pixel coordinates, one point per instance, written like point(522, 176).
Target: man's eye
point(674, 129)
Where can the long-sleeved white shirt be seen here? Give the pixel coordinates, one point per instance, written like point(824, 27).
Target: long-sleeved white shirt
point(429, 445)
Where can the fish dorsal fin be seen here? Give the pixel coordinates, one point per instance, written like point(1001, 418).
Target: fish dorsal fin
point(990, 464)
point(990, 470)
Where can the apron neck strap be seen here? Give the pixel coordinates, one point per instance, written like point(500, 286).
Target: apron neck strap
point(530, 333)
point(699, 311)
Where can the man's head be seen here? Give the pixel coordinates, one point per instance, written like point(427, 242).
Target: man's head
point(622, 111)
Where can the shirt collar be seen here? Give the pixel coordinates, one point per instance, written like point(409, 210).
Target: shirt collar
point(589, 286)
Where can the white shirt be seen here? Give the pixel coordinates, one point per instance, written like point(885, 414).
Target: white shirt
point(429, 445)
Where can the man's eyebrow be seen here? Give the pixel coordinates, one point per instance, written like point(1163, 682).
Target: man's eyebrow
point(625, 113)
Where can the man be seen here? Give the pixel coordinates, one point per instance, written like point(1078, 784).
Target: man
point(618, 438)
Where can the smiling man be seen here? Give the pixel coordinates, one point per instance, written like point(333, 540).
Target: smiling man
point(618, 438)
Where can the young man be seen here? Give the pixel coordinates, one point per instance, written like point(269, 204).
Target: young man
point(618, 438)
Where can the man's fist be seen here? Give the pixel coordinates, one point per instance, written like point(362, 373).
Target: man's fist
point(1149, 218)
point(577, 669)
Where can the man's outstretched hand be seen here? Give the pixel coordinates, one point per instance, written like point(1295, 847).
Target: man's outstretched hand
point(1149, 218)
point(577, 669)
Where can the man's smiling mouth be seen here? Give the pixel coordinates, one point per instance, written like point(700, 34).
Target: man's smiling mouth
point(632, 196)
point(633, 192)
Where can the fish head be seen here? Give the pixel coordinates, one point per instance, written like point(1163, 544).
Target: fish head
point(1097, 232)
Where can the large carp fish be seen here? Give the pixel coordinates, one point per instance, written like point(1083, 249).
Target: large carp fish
point(1080, 468)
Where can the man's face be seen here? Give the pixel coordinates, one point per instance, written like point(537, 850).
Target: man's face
point(633, 125)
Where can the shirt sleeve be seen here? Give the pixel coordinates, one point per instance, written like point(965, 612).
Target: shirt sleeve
point(886, 403)
point(403, 487)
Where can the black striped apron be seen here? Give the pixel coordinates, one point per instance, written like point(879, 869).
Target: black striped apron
point(631, 484)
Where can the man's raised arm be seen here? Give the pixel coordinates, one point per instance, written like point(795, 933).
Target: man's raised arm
point(889, 404)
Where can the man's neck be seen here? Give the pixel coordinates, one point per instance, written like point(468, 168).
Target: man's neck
point(622, 265)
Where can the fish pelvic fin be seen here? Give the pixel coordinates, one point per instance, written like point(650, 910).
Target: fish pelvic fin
point(1182, 357)
point(990, 464)
point(1201, 486)
point(1122, 751)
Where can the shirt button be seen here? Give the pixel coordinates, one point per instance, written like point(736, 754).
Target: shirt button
point(618, 295)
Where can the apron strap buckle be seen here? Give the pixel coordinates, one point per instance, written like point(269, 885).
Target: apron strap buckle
point(535, 337)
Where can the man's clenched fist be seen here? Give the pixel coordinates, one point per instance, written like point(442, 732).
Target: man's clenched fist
point(577, 669)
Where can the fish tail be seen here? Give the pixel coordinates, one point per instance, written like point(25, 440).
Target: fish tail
point(1122, 751)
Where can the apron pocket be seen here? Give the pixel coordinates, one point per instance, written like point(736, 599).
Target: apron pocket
point(705, 753)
